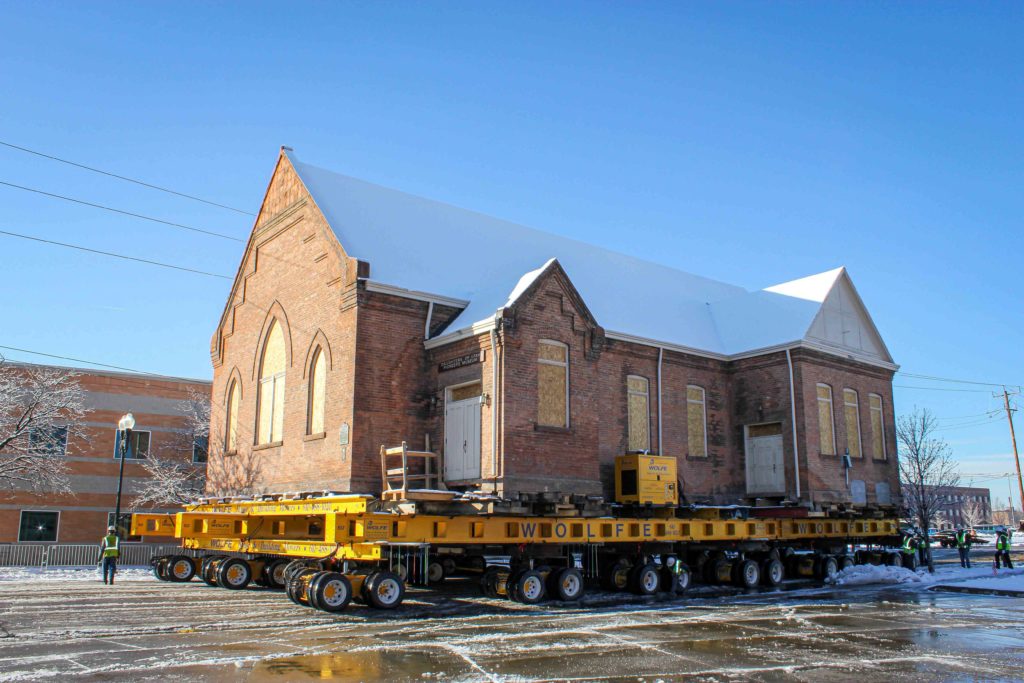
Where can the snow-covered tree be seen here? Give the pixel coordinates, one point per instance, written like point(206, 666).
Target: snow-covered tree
point(41, 409)
point(927, 470)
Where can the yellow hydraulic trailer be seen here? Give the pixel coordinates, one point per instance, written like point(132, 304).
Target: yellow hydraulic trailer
point(326, 549)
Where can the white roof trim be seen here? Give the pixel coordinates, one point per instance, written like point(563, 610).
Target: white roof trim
point(482, 327)
point(373, 286)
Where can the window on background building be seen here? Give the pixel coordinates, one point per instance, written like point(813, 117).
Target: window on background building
point(231, 429)
point(553, 384)
point(124, 526)
point(852, 412)
point(270, 401)
point(38, 526)
point(826, 421)
point(317, 392)
point(696, 422)
point(48, 440)
point(877, 427)
point(200, 449)
point(639, 414)
point(138, 444)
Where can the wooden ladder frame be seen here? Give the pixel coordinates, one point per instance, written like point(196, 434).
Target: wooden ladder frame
point(431, 476)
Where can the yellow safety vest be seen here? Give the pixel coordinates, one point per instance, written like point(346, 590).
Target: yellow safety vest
point(111, 546)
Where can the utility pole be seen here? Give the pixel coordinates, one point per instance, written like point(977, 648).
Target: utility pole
point(1016, 456)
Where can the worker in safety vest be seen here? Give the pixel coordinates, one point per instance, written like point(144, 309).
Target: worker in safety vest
point(110, 550)
point(963, 546)
point(909, 546)
point(1003, 548)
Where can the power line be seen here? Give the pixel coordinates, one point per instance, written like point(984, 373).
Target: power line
point(80, 360)
point(121, 211)
point(973, 391)
point(947, 379)
point(112, 254)
point(125, 178)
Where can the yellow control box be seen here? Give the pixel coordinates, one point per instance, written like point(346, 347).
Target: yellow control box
point(646, 480)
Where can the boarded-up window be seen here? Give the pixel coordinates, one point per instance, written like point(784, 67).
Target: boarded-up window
point(231, 432)
point(826, 423)
point(317, 392)
point(637, 395)
point(270, 406)
point(852, 412)
point(696, 422)
point(553, 384)
point(877, 427)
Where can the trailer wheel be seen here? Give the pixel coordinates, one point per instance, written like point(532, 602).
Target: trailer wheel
point(180, 569)
point(746, 574)
point(209, 572)
point(826, 567)
point(435, 572)
point(644, 579)
point(234, 574)
point(528, 587)
point(273, 573)
point(449, 566)
point(893, 559)
point(716, 571)
point(676, 580)
point(489, 582)
point(565, 584)
point(401, 571)
point(912, 562)
point(160, 568)
point(330, 592)
point(294, 587)
point(384, 590)
point(772, 572)
point(845, 562)
point(616, 575)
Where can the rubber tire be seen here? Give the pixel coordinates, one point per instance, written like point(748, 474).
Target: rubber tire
point(644, 579)
point(272, 569)
point(845, 562)
point(160, 568)
point(293, 587)
point(826, 567)
point(773, 572)
point(435, 573)
point(711, 571)
point(530, 578)
point(746, 574)
point(311, 590)
point(677, 582)
point(225, 567)
point(185, 562)
point(911, 562)
point(319, 586)
point(616, 567)
point(375, 582)
point(557, 588)
point(209, 575)
point(449, 566)
point(893, 559)
point(488, 581)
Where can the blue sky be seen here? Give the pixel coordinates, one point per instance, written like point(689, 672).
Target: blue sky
point(749, 142)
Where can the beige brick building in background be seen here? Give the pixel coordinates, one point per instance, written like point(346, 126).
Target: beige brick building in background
point(363, 316)
point(91, 457)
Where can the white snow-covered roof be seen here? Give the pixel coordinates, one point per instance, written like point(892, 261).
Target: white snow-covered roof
point(423, 245)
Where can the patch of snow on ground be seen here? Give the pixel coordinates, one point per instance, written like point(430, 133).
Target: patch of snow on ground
point(70, 574)
point(1007, 582)
point(862, 574)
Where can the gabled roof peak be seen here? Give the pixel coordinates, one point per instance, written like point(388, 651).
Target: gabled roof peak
point(811, 288)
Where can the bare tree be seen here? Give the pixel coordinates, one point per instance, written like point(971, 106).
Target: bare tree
point(174, 481)
point(927, 470)
point(40, 410)
point(973, 513)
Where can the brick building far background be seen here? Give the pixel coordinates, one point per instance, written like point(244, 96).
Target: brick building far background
point(363, 316)
point(161, 428)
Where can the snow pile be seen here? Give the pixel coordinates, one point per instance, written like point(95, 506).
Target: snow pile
point(70, 574)
point(1005, 582)
point(863, 574)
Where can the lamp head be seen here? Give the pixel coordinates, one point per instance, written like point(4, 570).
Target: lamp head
point(127, 422)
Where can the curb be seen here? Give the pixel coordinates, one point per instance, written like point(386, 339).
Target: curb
point(978, 591)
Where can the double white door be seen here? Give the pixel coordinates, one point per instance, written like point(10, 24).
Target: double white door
point(766, 472)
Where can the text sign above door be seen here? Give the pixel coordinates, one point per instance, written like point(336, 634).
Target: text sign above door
point(461, 361)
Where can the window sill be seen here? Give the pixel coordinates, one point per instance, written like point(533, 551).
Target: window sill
point(315, 437)
point(698, 457)
point(229, 454)
point(265, 446)
point(552, 430)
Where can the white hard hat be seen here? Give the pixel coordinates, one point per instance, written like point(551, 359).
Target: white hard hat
point(111, 528)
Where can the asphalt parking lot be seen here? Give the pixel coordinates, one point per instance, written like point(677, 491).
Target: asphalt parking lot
point(144, 630)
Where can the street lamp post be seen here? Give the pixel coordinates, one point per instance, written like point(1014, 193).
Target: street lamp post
point(125, 426)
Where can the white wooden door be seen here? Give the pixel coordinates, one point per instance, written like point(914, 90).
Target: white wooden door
point(462, 439)
point(766, 473)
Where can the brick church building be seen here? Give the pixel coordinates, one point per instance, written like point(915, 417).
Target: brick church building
point(363, 316)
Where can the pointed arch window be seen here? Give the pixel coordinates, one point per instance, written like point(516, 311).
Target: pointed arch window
point(231, 429)
point(270, 406)
point(317, 392)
